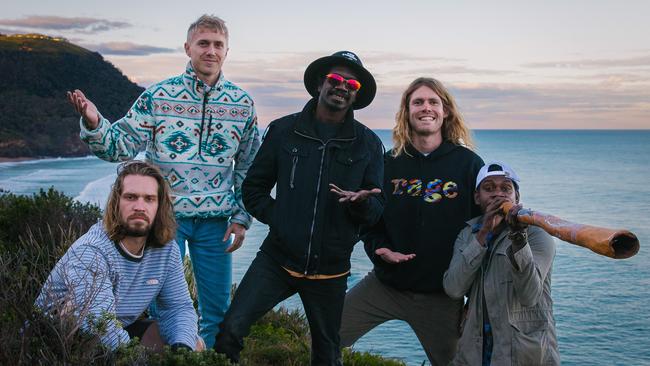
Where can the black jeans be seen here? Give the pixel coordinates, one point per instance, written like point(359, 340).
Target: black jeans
point(264, 285)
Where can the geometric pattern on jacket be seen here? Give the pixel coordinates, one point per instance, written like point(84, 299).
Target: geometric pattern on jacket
point(202, 138)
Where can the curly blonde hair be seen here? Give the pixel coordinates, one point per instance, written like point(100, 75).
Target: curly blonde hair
point(454, 128)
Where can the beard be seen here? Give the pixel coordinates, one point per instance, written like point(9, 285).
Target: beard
point(134, 228)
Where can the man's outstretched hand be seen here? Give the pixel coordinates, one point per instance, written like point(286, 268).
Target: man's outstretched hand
point(85, 108)
point(393, 257)
point(349, 196)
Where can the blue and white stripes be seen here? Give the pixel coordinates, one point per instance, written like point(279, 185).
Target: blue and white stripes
point(95, 281)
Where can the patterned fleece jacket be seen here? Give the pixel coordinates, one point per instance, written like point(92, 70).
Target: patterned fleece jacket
point(202, 138)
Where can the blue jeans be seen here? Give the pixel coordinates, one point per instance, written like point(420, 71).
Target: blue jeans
point(264, 285)
point(212, 269)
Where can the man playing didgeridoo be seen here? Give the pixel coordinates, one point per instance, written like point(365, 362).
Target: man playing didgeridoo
point(504, 267)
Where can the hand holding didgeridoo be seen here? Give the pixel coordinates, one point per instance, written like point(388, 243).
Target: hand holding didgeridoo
point(617, 244)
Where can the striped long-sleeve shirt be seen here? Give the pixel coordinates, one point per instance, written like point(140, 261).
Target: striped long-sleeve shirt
point(97, 280)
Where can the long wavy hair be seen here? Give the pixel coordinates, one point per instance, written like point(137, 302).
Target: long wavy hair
point(163, 228)
point(454, 128)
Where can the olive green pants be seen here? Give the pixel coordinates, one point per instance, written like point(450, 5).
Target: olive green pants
point(434, 317)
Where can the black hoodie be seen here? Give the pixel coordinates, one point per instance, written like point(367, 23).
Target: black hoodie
point(428, 200)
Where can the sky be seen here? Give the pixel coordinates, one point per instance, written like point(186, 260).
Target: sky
point(510, 64)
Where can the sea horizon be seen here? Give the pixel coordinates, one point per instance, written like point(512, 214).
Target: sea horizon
point(4, 159)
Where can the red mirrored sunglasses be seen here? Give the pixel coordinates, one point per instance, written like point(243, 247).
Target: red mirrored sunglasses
point(336, 80)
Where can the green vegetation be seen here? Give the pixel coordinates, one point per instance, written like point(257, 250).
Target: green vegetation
point(35, 231)
point(39, 43)
point(35, 73)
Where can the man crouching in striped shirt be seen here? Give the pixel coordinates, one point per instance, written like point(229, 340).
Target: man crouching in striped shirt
point(113, 272)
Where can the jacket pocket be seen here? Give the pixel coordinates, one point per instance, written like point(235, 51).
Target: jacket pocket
point(351, 159)
point(298, 156)
point(468, 352)
point(349, 169)
point(531, 344)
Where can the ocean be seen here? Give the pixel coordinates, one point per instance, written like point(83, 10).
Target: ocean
point(602, 178)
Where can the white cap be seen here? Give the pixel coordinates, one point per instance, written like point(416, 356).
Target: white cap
point(496, 168)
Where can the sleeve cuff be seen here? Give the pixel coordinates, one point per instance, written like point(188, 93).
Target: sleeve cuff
point(359, 207)
point(519, 258)
point(243, 220)
point(86, 134)
point(474, 252)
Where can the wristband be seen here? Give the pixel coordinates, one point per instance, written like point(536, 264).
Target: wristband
point(520, 236)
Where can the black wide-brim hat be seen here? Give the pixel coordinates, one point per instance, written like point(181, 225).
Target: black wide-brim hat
point(316, 71)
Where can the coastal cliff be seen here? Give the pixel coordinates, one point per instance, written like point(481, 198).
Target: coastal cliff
point(36, 71)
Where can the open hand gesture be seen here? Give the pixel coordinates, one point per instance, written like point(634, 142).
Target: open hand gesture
point(85, 108)
point(393, 257)
point(349, 196)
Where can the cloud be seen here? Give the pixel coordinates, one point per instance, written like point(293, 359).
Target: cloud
point(439, 72)
point(128, 49)
point(92, 25)
point(512, 106)
point(614, 80)
point(396, 58)
point(640, 61)
point(7, 31)
point(553, 106)
point(275, 82)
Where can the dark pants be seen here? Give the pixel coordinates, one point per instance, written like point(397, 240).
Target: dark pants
point(434, 317)
point(264, 285)
point(148, 332)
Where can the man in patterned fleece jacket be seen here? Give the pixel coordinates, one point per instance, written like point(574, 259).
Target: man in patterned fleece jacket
point(201, 131)
point(113, 272)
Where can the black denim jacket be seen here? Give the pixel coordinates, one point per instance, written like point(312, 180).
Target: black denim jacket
point(310, 231)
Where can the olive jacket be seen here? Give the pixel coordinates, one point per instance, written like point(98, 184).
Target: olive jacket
point(517, 291)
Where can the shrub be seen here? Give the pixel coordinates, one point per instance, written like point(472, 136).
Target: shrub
point(34, 232)
point(44, 215)
point(280, 337)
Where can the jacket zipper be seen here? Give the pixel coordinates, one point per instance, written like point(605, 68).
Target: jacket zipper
point(320, 174)
point(313, 220)
point(207, 139)
point(293, 171)
point(484, 269)
point(205, 102)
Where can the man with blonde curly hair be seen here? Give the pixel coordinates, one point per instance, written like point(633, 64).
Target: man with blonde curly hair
point(428, 183)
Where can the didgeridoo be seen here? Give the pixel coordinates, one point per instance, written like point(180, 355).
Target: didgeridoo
point(617, 244)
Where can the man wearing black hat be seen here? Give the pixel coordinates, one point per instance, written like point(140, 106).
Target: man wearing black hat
point(327, 169)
